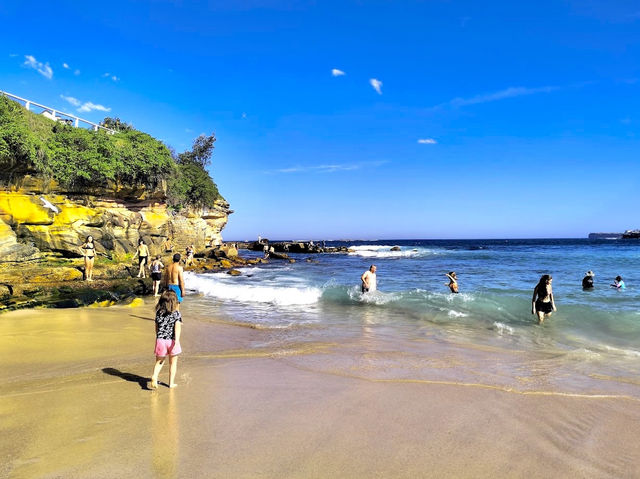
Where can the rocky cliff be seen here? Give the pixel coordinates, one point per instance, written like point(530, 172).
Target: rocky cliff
point(39, 217)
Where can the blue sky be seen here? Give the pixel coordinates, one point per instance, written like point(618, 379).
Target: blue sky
point(453, 119)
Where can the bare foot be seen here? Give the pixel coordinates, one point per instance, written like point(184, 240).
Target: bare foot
point(154, 384)
point(174, 385)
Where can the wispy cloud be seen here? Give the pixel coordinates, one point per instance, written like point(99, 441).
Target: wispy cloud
point(89, 106)
point(510, 92)
point(43, 68)
point(76, 72)
point(86, 106)
point(337, 73)
point(377, 85)
point(66, 66)
point(71, 100)
point(427, 141)
point(110, 76)
point(328, 168)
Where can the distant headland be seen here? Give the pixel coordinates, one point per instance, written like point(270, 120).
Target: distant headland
point(628, 234)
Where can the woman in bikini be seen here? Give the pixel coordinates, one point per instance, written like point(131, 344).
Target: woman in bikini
point(89, 253)
point(453, 281)
point(542, 302)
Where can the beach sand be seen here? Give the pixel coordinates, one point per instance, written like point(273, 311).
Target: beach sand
point(75, 404)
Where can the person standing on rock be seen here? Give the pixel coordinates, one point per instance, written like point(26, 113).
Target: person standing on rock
point(156, 274)
point(89, 253)
point(167, 246)
point(190, 251)
point(143, 255)
point(175, 277)
point(369, 279)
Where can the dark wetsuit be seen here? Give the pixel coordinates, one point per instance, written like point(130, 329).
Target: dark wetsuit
point(587, 282)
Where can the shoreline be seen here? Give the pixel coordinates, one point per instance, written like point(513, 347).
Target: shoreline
point(74, 404)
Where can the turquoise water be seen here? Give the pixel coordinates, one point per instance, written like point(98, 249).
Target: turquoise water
point(590, 344)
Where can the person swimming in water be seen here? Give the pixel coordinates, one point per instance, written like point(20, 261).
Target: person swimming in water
point(453, 281)
point(619, 283)
point(542, 302)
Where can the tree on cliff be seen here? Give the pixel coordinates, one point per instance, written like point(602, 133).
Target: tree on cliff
point(193, 186)
point(78, 158)
point(201, 152)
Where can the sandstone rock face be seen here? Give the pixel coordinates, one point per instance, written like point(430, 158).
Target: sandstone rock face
point(37, 218)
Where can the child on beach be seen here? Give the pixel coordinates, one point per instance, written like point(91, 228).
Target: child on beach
point(156, 274)
point(168, 329)
point(618, 283)
point(453, 281)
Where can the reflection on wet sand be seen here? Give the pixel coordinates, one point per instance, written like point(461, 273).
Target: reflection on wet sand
point(165, 433)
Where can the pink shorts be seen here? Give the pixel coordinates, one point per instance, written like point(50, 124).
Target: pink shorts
point(167, 347)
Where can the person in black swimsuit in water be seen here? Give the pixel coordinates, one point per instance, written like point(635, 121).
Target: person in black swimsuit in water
point(542, 302)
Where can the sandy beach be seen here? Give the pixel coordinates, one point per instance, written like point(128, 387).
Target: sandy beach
point(75, 404)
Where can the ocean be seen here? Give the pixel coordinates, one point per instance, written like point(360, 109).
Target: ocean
point(414, 329)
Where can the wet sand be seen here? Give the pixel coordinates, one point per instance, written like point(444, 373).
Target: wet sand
point(75, 404)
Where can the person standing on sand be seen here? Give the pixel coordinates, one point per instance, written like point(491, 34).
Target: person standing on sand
point(542, 302)
point(89, 253)
point(175, 278)
point(168, 330)
point(453, 281)
point(587, 281)
point(369, 279)
point(156, 274)
point(143, 254)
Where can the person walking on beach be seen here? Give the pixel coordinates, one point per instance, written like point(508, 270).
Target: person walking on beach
point(143, 254)
point(453, 281)
point(619, 284)
point(175, 278)
point(369, 279)
point(587, 281)
point(156, 274)
point(542, 302)
point(168, 330)
point(89, 253)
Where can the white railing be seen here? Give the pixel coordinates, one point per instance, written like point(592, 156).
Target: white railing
point(57, 115)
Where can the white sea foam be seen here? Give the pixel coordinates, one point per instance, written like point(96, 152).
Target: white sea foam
point(457, 314)
point(377, 251)
point(219, 287)
point(503, 328)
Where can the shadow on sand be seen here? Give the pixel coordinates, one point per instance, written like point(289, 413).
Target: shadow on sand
point(133, 378)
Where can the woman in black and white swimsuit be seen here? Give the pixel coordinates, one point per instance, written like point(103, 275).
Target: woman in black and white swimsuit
point(89, 253)
point(542, 302)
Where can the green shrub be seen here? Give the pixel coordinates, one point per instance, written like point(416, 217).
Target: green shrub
point(77, 157)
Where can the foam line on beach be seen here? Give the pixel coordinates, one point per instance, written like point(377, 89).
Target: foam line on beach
point(479, 386)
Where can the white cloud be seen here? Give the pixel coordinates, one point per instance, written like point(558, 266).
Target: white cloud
point(427, 141)
point(377, 85)
point(510, 92)
point(337, 73)
point(66, 66)
point(110, 76)
point(72, 100)
point(43, 68)
point(88, 106)
point(76, 72)
point(328, 168)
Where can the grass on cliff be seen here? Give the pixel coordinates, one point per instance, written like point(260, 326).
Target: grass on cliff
point(78, 158)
